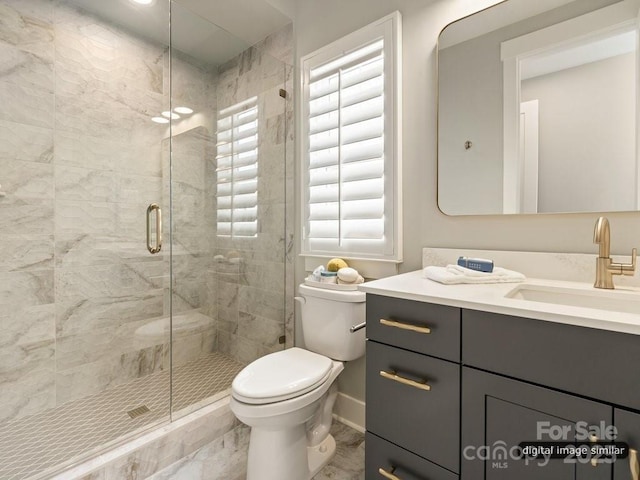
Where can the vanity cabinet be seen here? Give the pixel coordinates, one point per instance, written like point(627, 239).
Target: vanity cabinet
point(413, 398)
point(425, 422)
point(598, 364)
point(387, 315)
point(500, 413)
point(458, 388)
point(628, 425)
point(383, 459)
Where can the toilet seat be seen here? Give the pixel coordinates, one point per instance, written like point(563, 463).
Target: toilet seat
point(280, 376)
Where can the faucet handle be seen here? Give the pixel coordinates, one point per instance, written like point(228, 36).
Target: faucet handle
point(629, 268)
point(625, 268)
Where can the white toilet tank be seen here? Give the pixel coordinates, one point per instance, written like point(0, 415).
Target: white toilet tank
point(327, 316)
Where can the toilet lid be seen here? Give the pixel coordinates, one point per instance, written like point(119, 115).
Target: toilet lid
point(281, 375)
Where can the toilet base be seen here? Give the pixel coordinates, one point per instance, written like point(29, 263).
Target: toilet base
point(273, 456)
point(321, 454)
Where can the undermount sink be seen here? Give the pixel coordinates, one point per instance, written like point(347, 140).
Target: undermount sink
point(609, 300)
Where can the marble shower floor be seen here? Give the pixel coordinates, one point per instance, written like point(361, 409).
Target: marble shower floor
point(34, 445)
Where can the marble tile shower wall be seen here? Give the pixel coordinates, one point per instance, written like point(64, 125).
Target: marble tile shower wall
point(255, 296)
point(79, 162)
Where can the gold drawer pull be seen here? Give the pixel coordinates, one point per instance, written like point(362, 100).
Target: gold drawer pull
point(405, 381)
point(593, 439)
point(388, 475)
point(404, 326)
point(633, 464)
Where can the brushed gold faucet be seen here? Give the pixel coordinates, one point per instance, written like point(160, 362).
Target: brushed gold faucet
point(605, 268)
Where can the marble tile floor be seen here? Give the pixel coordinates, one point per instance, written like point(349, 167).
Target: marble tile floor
point(226, 458)
point(34, 445)
point(348, 464)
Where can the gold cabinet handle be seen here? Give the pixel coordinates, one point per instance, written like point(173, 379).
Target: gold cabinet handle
point(634, 466)
point(404, 326)
point(158, 244)
point(593, 439)
point(388, 475)
point(405, 381)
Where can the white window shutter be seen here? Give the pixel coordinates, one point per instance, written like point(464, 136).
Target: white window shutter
point(237, 170)
point(350, 145)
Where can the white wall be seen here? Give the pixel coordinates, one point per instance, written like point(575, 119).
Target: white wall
point(318, 23)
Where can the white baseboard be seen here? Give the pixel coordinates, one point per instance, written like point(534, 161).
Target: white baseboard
point(350, 411)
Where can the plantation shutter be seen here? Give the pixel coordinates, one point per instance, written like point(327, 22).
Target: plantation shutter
point(237, 170)
point(350, 145)
point(346, 168)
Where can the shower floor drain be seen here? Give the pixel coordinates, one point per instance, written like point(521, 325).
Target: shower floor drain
point(136, 412)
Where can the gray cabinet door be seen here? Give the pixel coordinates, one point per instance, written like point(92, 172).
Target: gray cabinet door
point(628, 425)
point(423, 422)
point(498, 413)
point(381, 454)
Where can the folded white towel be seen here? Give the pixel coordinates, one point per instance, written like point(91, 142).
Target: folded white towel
point(455, 274)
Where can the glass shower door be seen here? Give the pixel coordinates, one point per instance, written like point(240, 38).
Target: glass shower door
point(84, 337)
point(228, 178)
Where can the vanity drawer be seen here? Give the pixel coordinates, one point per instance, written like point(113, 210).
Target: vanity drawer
point(443, 323)
point(425, 422)
point(405, 465)
point(595, 363)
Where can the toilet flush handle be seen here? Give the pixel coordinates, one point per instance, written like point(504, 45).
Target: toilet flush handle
point(300, 300)
point(357, 327)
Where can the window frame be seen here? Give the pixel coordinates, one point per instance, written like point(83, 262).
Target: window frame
point(389, 29)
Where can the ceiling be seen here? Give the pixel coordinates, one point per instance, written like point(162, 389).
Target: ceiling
point(248, 20)
point(211, 31)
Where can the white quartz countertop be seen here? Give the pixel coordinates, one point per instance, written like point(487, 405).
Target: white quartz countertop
point(492, 298)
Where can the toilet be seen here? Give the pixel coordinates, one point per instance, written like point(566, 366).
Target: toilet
point(287, 397)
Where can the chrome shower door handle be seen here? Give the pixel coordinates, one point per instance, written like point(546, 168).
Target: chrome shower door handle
point(158, 243)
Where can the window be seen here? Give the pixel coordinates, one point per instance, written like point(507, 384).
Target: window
point(237, 170)
point(351, 145)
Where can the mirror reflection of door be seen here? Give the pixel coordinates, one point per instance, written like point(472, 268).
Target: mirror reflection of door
point(528, 158)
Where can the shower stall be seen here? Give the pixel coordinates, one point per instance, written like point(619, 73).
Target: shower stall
point(145, 231)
